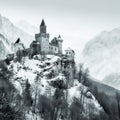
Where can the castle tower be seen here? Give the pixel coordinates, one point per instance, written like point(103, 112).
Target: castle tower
point(43, 27)
point(60, 41)
point(43, 38)
point(70, 53)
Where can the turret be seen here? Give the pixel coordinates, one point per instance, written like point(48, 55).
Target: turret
point(60, 41)
point(70, 53)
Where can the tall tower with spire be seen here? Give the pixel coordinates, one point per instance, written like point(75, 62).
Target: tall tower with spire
point(42, 41)
point(43, 38)
point(43, 27)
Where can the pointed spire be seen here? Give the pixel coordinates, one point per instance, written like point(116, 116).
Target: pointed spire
point(43, 27)
point(43, 23)
point(59, 36)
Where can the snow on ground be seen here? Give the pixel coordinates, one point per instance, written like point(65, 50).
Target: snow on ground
point(32, 64)
point(31, 70)
point(26, 75)
point(54, 59)
point(60, 77)
point(76, 91)
point(49, 56)
point(33, 116)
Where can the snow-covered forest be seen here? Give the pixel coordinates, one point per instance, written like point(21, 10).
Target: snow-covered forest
point(46, 87)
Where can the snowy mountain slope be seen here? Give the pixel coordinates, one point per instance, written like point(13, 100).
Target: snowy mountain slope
point(112, 80)
point(27, 27)
point(11, 32)
point(4, 47)
point(101, 54)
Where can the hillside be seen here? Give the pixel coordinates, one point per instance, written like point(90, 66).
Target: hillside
point(107, 96)
point(49, 87)
point(27, 27)
point(101, 54)
point(112, 80)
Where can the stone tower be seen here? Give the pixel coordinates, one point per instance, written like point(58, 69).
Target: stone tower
point(43, 38)
point(70, 54)
point(60, 41)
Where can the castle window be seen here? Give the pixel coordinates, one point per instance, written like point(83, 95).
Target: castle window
point(55, 49)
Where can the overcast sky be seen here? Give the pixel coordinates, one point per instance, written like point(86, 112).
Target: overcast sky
point(76, 20)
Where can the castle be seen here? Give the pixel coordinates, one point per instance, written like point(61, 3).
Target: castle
point(41, 45)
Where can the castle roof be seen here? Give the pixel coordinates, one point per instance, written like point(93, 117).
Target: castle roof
point(54, 42)
point(42, 23)
point(17, 41)
point(59, 36)
point(69, 49)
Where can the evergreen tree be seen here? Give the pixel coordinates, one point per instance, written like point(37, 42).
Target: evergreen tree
point(45, 107)
point(80, 72)
point(8, 108)
point(27, 99)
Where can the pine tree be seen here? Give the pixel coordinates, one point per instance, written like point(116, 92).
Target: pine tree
point(8, 108)
point(27, 99)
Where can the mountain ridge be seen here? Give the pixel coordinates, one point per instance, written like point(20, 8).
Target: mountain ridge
point(12, 32)
point(101, 54)
point(27, 27)
point(4, 47)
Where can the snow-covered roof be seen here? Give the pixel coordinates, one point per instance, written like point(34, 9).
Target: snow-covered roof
point(55, 59)
point(68, 49)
